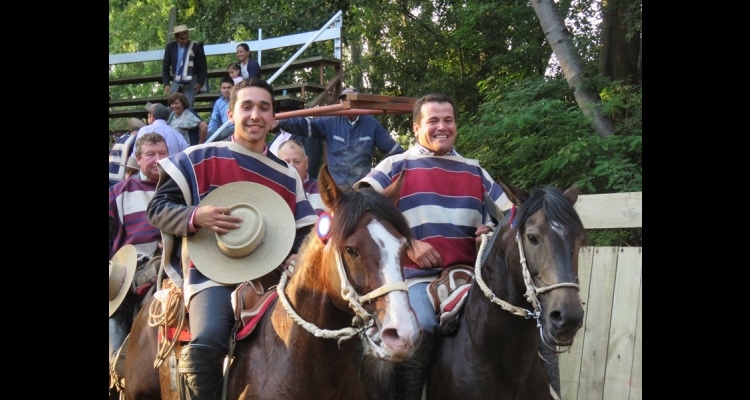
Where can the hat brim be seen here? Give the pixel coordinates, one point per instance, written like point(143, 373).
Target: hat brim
point(127, 256)
point(134, 123)
point(280, 228)
point(181, 30)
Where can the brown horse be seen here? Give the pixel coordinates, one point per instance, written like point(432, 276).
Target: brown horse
point(524, 291)
point(347, 291)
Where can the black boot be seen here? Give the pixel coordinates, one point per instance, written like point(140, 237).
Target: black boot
point(551, 367)
point(411, 374)
point(200, 368)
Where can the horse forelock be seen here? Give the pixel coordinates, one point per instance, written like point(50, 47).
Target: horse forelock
point(559, 212)
point(352, 207)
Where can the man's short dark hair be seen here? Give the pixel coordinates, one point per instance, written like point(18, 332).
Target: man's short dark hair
point(226, 79)
point(432, 98)
point(251, 82)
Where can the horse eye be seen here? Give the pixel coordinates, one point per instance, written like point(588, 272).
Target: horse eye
point(352, 252)
point(532, 239)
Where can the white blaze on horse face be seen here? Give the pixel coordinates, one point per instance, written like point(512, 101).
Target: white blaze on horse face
point(401, 318)
point(558, 229)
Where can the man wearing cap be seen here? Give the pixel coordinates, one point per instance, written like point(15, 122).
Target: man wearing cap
point(211, 205)
point(120, 153)
point(184, 64)
point(128, 200)
point(350, 141)
point(158, 114)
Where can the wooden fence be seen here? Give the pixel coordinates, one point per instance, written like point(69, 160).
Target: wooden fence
point(605, 360)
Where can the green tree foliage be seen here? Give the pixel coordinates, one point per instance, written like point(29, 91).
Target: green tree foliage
point(516, 113)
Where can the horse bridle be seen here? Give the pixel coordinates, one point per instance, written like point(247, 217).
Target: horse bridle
point(531, 290)
point(362, 319)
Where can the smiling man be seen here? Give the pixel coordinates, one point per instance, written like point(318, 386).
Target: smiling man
point(185, 180)
point(442, 199)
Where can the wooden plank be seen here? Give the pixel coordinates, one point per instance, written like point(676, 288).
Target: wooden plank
point(599, 309)
point(623, 324)
point(377, 98)
point(265, 70)
point(199, 98)
point(611, 210)
point(400, 108)
point(636, 385)
point(297, 87)
point(570, 360)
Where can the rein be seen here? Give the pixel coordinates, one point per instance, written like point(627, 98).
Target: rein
point(531, 290)
point(361, 321)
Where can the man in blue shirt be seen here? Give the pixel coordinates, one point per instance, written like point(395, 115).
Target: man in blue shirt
point(219, 113)
point(350, 141)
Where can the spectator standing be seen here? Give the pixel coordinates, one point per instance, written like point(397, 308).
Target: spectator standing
point(313, 146)
point(121, 150)
point(350, 141)
point(442, 199)
point(293, 153)
point(221, 105)
point(158, 114)
point(185, 120)
point(185, 180)
point(248, 66)
point(184, 65)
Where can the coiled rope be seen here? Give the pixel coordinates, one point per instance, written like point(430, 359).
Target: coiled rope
point(165, 313)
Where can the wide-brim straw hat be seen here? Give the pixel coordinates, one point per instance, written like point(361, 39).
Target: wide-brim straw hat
point(180, 28)
point(134, 123)
point(261, 243)
point(132, 163)
point(121, 271)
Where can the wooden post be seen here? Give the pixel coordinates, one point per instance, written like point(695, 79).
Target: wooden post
point(170, 23)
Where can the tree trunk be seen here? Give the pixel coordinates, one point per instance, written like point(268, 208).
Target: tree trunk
point(571, 64)
point(619, 57)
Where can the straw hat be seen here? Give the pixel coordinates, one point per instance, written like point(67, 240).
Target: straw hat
point(121, 272)
point(134, 123)
point(132, 163)
point(260, 244)
point(180, 28)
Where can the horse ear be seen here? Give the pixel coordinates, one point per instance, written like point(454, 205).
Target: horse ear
point(392, 191)
point(330, 193)
point(571, 194)
point(516, 195)
point(492, 209)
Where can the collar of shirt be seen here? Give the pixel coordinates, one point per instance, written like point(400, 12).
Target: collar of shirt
point(425, 150)
point(265, 146)
point(353, 122)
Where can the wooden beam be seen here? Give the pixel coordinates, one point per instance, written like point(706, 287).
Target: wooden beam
point(611, 210)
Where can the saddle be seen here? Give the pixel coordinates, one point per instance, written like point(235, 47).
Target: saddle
point(251, 299)
point(448, 292)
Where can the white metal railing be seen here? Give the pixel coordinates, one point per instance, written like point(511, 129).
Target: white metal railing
point(330, 31)
point(312, 39)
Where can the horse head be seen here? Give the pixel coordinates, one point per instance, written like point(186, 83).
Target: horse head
point(369, 238)
point(543, 239)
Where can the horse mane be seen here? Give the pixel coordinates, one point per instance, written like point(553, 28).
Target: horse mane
point(352, 206)
point(557, 208)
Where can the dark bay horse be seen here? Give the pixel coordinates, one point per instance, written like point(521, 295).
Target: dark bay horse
point(524, 290)
point(347, 291)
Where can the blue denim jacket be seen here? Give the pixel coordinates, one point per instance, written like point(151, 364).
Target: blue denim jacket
point(349, 148)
